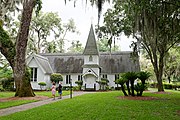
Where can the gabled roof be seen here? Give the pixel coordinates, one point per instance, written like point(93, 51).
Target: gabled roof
point(91, 46)
point(43, 62)
point(114, 63)
point(90, 72)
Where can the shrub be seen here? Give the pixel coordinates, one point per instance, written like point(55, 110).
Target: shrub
point(8, 83)
point(168, 86)
point(103, 83)
point(176, 86)
point(121, 81)
point(76, 88)
point(139, 88)
point(42, 84)
point(79, 83)
point(56, 77)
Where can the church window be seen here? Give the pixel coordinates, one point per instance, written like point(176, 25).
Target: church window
point(90, 58)
point(89, 70)
point(79, 77)
point(116, 76)
point(68, 79)
point(104, 76)
point(34, 74)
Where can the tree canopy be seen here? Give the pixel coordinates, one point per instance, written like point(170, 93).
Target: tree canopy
point(154, 24)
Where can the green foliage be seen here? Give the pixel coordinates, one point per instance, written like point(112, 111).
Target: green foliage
point(38, 6)
point(168, 86)
point(76, 47)
point(142, 19)
point(45, 26)
point(41, 84)
point(139, 87)
point(56, 77)
point(8, 83)
point(79, 83)
point(41, 27)
point(7, 46)
point(121, 81)
point(103, 83)
point(130, 75)
point(172, 60)
point(153, 85)
point(143, 75)
point(104, 46)
point(4, 37)
point(5, 73)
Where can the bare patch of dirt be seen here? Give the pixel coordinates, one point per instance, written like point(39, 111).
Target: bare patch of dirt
point(137, 98)
point(24, 98)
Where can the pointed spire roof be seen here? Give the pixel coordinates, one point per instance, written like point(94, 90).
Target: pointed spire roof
point(91, 46)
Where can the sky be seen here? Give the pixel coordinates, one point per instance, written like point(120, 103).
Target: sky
point(84, 15)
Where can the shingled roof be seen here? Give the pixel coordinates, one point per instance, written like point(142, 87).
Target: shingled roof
point(116, 62)
point(91, 46)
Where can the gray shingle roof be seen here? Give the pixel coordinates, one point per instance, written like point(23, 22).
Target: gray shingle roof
point(117, 62)
point(91, 46)
point(65, 63)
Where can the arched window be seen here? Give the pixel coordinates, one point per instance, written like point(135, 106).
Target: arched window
point(90, 58)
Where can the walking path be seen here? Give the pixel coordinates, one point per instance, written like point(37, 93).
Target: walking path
point(24, 107)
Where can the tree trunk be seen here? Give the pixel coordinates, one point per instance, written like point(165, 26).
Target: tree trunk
point(132, 87)
point(159, 72)
point(123, 90)
point(141, 91)
point(127, 84)
point(161, 65)
point(22, 83)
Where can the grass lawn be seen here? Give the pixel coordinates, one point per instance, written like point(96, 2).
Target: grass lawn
point(106, 106)
point(6, 104)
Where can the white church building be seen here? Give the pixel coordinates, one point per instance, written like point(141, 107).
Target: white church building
point(90, 66)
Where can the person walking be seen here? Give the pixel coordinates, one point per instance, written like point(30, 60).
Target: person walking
point(53, 90)
point(60, 90)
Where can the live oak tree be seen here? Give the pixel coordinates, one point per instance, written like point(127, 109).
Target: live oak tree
point(172, 66)
point(155, 24)
point(103, 45)
point(42, 26)
point(15, 52)
point(47, 33)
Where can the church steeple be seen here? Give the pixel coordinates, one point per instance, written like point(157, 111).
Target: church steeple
point(91, 46)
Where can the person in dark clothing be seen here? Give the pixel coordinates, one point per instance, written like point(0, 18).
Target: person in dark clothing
point(60, 90)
